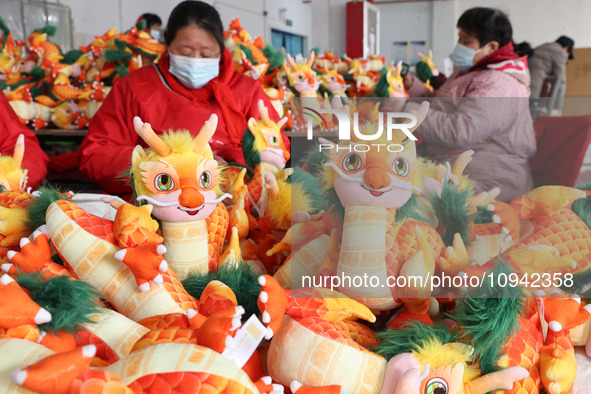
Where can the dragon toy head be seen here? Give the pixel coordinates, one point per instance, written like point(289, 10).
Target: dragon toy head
point(300, 76)
point(178, 175)
point(262, 141)
point(375, 175)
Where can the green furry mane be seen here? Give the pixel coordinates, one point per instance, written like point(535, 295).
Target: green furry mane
point(252, 157)
point(49, 30)
point(452, 212)
point(5, 32)
point(582, 208)
point(116, 55)
point(313, 161)
point(489, 316)
point(71, 56)
point(240, 278)
point(581, 284)
point(275, 58)
point(381, 89)
point(486, 320)
point(483, 215)
point(247, 53)
point(38, 209)
point(411, 210)
point(311, 186)
point(410, 338)
point(423, 71)
point(70, 302)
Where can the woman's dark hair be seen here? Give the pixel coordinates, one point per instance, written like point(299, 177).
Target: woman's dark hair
point(523, 49)
point(151, 19)
point(486, 24)
point(196, 13)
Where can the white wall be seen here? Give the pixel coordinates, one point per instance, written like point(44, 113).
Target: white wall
point(323, 22)
point(92, 17)
point(329, 26)
point(540, 21)
point(404, 22)
point(535, 21)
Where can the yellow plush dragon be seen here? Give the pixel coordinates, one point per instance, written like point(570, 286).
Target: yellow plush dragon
point(14, 198)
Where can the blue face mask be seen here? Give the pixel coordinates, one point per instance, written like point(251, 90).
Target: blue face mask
point(155, 34)
point(463, 57)
point(194, 73)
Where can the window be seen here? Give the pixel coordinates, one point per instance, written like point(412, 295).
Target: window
point(293, 43)
point(22, 18)
point(408, 51)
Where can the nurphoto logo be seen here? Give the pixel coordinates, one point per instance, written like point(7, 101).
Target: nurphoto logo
point(344, 128)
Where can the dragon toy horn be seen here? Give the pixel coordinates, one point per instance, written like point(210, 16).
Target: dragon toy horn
point(145, 131)
point(461, 162)
point(398, 68)
point(421, 114)
point(19, 150)
point(206, 132)
point(264, 114)
point(281, 122)
point(291, 62)
point(311, 59)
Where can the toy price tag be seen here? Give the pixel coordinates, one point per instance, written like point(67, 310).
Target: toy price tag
point(247, 339)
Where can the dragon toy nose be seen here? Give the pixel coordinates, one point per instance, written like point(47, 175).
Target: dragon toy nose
point(376, 178)
point(191, 198)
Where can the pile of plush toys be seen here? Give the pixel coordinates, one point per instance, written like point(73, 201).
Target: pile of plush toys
point(199, 286)
point(49, 88)
point(283, 77)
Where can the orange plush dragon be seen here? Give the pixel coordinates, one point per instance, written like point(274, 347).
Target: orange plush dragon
point(14, 199)
point(368, 189)
point(124, 260)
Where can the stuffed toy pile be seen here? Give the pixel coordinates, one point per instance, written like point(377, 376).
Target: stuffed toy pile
point(283, 77)
point(49, 88)
point(200, 286)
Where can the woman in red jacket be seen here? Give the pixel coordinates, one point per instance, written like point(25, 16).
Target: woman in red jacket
point(192, 80)
point(35, 160)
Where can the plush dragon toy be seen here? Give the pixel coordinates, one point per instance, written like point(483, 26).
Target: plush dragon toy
point(14, 199)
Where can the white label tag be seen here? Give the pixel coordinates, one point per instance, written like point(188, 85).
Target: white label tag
point(247, 339)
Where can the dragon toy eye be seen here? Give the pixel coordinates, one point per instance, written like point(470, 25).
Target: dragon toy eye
point(2, 188)
point(205, 180)
point(436, 386)
point(400, 166)
point(163, 182)
point(274, 141)
point(352, 162)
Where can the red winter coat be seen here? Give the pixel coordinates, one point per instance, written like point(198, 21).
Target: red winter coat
point(35, 159)
point(105, 153)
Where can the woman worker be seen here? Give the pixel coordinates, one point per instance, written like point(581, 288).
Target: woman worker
point(492, 115)
point(192, 80)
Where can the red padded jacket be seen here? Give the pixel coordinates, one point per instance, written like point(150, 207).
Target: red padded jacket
point(105, 153)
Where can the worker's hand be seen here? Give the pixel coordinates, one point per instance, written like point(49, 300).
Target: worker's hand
point(408, 80)
point(393, 104)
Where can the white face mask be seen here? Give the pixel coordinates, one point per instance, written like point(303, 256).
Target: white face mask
point(194, 73)
point(155, 34)
point(463, 57)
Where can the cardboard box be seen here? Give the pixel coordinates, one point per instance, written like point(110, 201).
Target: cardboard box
point(578, 74)
point(576, 106)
